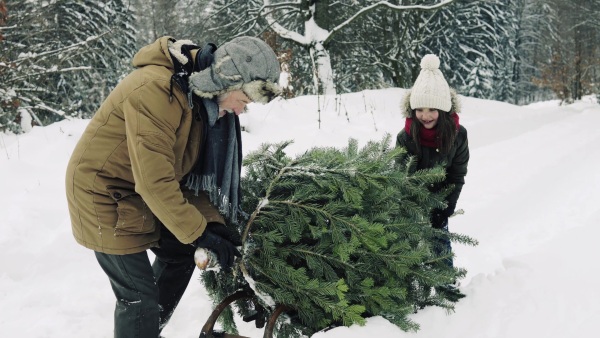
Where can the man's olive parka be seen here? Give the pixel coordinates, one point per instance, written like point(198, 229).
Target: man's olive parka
point(127, 168)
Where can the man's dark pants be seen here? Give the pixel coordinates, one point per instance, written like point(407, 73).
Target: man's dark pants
point(148, 294)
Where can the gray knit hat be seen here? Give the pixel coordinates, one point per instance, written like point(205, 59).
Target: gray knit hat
point(430, 89)
point(245, 63)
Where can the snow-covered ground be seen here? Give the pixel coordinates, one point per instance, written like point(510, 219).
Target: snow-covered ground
point(531, 199)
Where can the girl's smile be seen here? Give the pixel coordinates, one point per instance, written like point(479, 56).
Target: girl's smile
point(428, 117)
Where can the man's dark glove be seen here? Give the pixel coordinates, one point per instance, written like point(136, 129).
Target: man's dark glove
point(215, 238)
point(260, 315)
point(438, 219)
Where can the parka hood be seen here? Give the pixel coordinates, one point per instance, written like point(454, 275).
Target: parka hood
point(156, 54)
point(407, 112)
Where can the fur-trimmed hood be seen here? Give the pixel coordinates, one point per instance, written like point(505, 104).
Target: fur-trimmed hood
point(407, 112)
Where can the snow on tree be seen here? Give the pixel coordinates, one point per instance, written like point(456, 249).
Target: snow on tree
point(303, 23)
point(374, 44)
point(536, 22)
point(479, 81)
point(181, 19)
point(60, 58)
point(316, 38)
point(337, 236)
point(465, 35)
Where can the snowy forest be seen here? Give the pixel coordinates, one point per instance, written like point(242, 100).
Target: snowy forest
point(60, 58)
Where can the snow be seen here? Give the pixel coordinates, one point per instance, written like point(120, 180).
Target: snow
point(312, 31)
point(530, 199)
point(26, 120)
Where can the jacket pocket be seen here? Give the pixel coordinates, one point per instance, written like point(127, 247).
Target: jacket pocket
point(134, 216)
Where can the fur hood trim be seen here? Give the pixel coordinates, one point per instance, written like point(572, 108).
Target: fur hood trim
point(175, 50)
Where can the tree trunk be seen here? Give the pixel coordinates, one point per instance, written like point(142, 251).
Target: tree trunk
point(323, 76)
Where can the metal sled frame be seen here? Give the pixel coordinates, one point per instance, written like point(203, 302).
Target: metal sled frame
point(208, 328)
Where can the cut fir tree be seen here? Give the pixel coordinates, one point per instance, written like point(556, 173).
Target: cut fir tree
point(337, 236)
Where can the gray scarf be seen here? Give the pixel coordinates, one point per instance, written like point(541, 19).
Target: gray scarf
point(217, 171)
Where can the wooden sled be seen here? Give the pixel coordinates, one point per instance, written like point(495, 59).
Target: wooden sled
point(208, 328)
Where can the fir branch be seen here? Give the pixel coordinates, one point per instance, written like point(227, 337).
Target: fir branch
point(354, 226)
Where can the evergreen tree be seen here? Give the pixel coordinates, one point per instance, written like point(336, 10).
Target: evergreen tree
point(61, 58)
point(571, 66)
point(505, 24)
point(537, 29)
point(479, 81)
point(384, 48)
point(181, 19)
point(337, 236)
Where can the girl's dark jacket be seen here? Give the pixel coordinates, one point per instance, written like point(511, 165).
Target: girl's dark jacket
point(455, 162)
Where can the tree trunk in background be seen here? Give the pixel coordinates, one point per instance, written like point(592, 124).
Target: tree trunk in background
point(573, 70)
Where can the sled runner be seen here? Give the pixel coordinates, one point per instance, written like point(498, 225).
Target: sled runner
point(208, 328)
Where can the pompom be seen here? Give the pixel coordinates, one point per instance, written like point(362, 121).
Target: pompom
point(430, 62)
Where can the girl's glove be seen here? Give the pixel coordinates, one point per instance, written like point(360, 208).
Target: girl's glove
point(438, 219)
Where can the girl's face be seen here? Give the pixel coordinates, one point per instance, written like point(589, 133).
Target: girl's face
point(428, 117)
point(233, 102)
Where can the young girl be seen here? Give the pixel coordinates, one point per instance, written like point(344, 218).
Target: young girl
point(433, 134)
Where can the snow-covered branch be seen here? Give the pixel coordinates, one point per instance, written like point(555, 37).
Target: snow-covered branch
point(279, 29)
point(49, 71)
point(370, 8)
point(79, 44)
point(59, 112)
point(35, 103)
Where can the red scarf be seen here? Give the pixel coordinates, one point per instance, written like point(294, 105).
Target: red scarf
point(428, 136)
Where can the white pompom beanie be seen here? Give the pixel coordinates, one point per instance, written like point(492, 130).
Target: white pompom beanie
point(430, 89)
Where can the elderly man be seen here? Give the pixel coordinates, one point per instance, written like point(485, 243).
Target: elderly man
point(158, 168)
